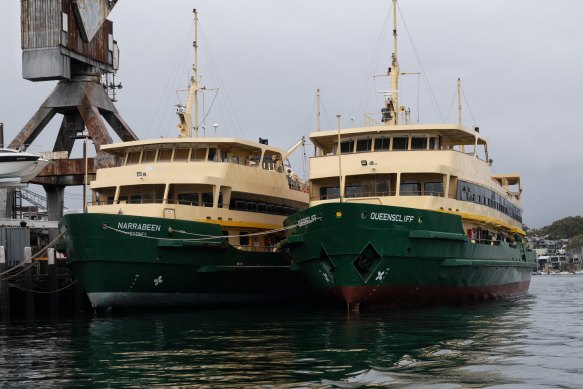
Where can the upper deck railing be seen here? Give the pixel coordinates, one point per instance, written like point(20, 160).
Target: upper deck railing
point(236, 205)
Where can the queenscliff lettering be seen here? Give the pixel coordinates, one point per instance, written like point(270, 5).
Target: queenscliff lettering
point(391, 217)
point(139, 226)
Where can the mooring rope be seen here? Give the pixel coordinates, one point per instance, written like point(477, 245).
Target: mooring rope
point(41, 292)
point(20, 272)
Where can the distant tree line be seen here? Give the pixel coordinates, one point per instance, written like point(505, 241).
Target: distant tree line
point(570, 227)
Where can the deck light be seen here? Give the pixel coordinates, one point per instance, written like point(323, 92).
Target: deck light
point(363, 162)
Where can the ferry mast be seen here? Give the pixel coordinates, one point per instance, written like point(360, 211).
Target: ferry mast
point(186, 126)
point(390, 112)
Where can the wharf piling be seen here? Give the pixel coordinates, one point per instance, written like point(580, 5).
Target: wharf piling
point(38, 287)
point(4, 292)
point(28, 284)
point(53, 282)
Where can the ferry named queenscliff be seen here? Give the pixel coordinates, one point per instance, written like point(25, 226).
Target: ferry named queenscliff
point(405, 213)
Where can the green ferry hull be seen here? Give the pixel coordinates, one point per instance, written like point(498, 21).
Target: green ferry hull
point(127, 261)
point(393, 256)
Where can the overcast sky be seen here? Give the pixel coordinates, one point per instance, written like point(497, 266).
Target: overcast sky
point(520, 63)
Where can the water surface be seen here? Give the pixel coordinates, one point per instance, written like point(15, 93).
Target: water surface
point(534, 342)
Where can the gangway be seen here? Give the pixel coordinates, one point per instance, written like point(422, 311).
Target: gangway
point(32, 197)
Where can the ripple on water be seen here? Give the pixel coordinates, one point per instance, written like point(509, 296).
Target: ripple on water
point(532, 342)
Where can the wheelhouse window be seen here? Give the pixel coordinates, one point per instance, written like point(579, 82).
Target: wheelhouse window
point(181, 154)
point(382, 144)
point(363, 145)
point(165, 155)
point(198, 154)
point(213, 156)
point(418, 143)
point(254, 159)
point(224, 156)
point(347, 147)
point(433, 143)
point(133, 157)
point(400, 143)
point(149, 156)
point(481, 151)
point(272, 161)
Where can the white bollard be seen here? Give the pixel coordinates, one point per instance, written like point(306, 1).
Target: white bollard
point(27, 255)
point(51, 254)
point(2, 256)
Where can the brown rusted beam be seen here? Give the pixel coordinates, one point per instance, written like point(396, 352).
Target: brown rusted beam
point(72, 124)
point(68, 167)
point(95, 126)
point(119, 126)
point(65, 172)
point(35, 125)
point(77, 97)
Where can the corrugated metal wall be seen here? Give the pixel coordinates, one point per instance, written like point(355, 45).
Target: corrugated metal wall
point(14, 241)
point(41, 23)
point(96, 49)
point(42, 28)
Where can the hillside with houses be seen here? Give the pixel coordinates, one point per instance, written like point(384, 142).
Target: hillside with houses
point(559, 246)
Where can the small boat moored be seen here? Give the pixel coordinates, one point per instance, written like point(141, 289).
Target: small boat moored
point(18, 167)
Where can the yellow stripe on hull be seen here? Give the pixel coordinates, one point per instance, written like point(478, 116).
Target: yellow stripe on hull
point(239, 224)
point(487, 220)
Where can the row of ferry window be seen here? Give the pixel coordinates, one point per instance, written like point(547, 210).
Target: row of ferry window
point(385, 185)
point(271, 161)
point(388, 143)
point(413, 184)
point(467, 191)
point(153, 194)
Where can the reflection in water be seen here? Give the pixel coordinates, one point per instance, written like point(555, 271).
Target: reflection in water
point(535, 341)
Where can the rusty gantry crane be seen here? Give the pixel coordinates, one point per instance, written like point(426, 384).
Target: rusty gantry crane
point(70, 41)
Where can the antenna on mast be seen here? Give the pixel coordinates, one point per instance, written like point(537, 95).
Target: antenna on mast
point(186, 126)
point(316, 152)
point(394, 99)
point(318, 110)
point(195, 71)
point(389, 112)
point(459, 102)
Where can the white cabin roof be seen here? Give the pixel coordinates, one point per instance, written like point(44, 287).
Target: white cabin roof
point(452, 132)
point(121, 148)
